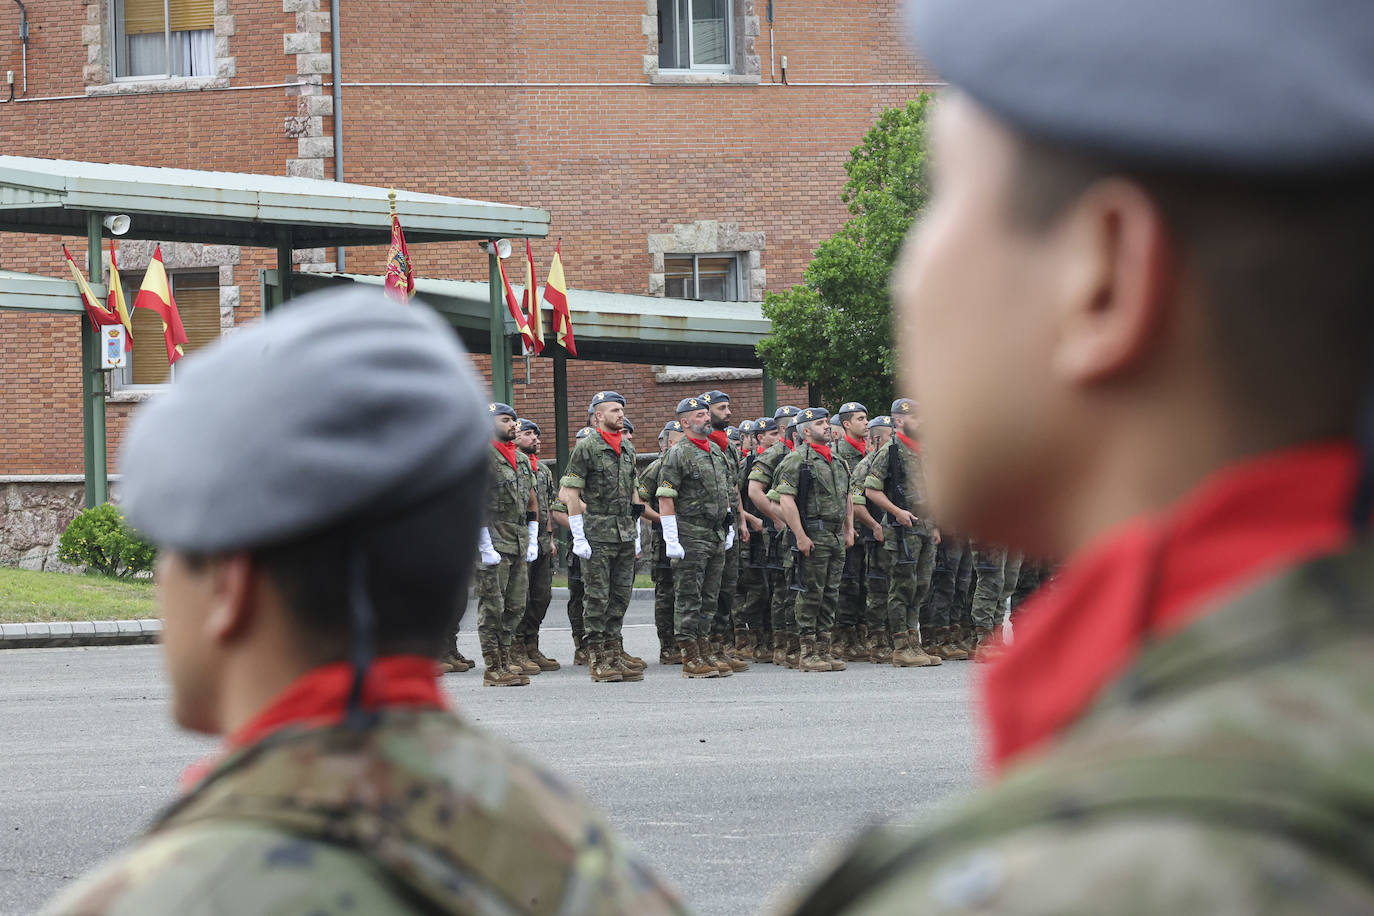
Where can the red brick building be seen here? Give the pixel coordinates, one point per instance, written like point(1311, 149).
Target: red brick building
point(659, 134)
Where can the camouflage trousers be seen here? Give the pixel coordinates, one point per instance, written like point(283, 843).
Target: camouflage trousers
point(540, 596)
point(949, 585)
point(1031, 576)
point(722, 623)
point(878, 580)
point(820, 573)
point(576, 597)
point(755, 593)
point(501, 593)
point(696, 585)
point(991, 590)
point(853, 588)
point(913, 563)
point(451, 637)
point(608, 579)
point(663, 592)
point(782, 607)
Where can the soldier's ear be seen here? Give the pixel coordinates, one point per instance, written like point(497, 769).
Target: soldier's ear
point(236, 586)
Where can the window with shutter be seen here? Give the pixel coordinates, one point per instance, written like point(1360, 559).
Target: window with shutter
point(164, 38)
point(197, 298)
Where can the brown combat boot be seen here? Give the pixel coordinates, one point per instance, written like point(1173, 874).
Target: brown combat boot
point(962, 637)
point(668, 655)
point(856, 649)
point(793, 651)
point(744, 645)
point(826, 648)
point(498, 673)
point(883, 653)
point(809, 658)
point(923, 658)
point(763, 647)
point(581, 655)
point(627, 673)
point(780, 649)
point(455, 662)
point(693, 665)
point(518, 657)
point(601, 664)
point(986, 649)
point(628, 660)
point(951, 647)
point(902, 656)
point(725, 651)
point(539, 658)
point(710, 651)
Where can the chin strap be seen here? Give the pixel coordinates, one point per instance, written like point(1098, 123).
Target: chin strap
point(362, 641)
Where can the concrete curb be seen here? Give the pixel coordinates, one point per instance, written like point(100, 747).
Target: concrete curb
point(132, 632)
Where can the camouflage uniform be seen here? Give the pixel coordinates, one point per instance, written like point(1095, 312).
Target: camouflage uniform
point(754, 580)
point(722, 626)
point(782, 600)
point(502, 589)
point(419, 813)
point(576, 593)
point(912, 549)
point(877, 564)
point(991, 590)
point(825, 516)
point(853, 583)
point(1222, 773)
point(607, 483)
point(699, 483)
point(945, 603)
point(541, 569)
point(659, 570)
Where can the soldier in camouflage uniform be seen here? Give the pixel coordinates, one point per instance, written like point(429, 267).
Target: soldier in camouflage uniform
point(525, 649)
point(911, 537)
point(821, 519)
point(781, 609)
point(1138, 315)
point(576, 590)
point(695, 495)
point(661, 570)
point(759, 582)
point(598, 488)
point(323, 798)
point(943, 607)
point(851, 630)
point(722, 624)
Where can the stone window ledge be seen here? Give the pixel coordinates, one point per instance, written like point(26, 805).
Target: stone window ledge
point(144, 87)
point(134, 395)
point(703, 78)
point(667, 374)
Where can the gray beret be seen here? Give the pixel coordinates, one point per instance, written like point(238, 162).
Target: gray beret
point(852, 407)
point(1267, 86)
point(687, 405)
point(525, 425)
point(626, 426)
point(813, 413)
point(338, 405)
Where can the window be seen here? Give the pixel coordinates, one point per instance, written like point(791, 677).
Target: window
point(163, 38)
point(694, 35)
point(197, 298)
point(702, 276)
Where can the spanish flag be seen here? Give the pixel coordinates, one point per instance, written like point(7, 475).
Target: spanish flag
point(99, 316)
point(531, 301)
point(156, 294)
point(116, 303)
point(516, 312)
point(556, 295)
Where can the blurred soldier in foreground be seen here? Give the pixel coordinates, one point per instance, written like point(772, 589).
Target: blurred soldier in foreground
point(310, 557)
point(1137, 311)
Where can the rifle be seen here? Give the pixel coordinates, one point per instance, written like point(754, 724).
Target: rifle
point(661, 560)
point(895, 490)
point(798, 582)
point(870, 546)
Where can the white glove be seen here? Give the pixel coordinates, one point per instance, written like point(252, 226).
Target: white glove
point(580, 546)
point(488, 553)
point(532, 551)
point(670, 542)
point(636, 540)
point(729, 537)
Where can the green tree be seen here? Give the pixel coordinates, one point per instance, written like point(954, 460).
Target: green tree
point(833, 331)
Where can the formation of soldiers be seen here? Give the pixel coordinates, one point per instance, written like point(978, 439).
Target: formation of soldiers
point(801, 540)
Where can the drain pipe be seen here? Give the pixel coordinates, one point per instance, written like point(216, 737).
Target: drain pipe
point(337, 93)
point(24, 39)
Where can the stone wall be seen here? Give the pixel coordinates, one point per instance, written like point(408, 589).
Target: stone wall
point(34, 513)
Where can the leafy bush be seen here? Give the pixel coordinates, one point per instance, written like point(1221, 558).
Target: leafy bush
point(103, 542)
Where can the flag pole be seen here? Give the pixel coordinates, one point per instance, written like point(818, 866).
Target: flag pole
point(93, 385)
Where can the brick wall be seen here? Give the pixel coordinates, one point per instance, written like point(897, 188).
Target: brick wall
point(613, 156)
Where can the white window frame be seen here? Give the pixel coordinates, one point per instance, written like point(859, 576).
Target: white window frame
point(692, 67)
point(117, 29)
point(739, 291)
point(121, 379)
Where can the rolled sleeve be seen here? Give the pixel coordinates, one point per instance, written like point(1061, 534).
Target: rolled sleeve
point(665, 490)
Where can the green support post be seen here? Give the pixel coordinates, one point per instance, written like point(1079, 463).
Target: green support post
point(770, 393)
point(560, 405)
point(501, 387)
point(93, 385)
point(283, 291)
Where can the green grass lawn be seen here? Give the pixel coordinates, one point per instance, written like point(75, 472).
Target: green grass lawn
point(31, 597)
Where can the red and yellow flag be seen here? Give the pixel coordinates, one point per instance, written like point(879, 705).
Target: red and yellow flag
point(400, 279)
point(531, 301)
point(116, 301)
point(99, 315)
point(156, 294)
point(556, 295)
point(516, 311)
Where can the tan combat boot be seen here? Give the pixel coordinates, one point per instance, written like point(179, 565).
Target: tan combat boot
point(497, 673)
point(793, 651)
point(826, 648)
point(725, 651)
point(809, 658)
point(860, 653)
point(963, 638)
point(923, 658)
point(763, 647)
point(600, 664)
point(693, 665)
point(711, 652)
point(455, 662)
point(539, 658)
point(513, 666)
point(580, 653)
point(902, 656)
point(668, 655)
point(780, 649)
point(521, 659)
point(884, 653)
point(951, 647)
point(628, 660)
point(986, 649)
point(627, 673)
point(744, 645)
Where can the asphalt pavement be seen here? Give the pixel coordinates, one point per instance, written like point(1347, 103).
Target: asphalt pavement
point(734, 788)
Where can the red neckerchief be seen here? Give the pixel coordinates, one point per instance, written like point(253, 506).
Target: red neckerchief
point(507, 449)
point(703, 444)
point(320, 697)
point(760, 450)
point(909, 443)
point(822, 450)
point(1154, 576)
point(534, 462)
point(719, 437)
point(789, 446)
point(612, 439)
point(860, 445)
